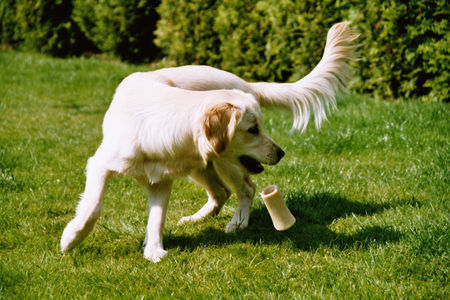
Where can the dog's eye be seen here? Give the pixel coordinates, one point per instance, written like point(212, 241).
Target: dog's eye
point(254, 130)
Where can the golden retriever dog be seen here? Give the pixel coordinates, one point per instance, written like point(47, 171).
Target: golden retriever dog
point(204, 123)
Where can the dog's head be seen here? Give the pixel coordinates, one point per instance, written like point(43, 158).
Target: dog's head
point(234, 131)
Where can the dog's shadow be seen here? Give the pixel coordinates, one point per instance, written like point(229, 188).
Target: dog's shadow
point(314, 214)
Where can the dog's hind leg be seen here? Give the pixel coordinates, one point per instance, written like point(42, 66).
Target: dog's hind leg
point(89, 207)
point(217, 192)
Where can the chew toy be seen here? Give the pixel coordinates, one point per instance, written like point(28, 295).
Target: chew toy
point(282, 218)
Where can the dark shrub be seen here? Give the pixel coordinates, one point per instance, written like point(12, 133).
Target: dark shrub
point(45, 26)
point(121, 27)
point(405, 48)
point(185, 31)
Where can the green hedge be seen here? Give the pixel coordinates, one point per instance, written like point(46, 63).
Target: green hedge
point(120, 27)
point(71, 27)
point(259, 40)
point(185, 31)
point(404, 49)
point(44, 25)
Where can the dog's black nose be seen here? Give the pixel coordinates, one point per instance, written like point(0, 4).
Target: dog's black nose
point(280, 154)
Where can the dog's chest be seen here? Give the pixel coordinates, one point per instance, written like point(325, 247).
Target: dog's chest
point(157, 171)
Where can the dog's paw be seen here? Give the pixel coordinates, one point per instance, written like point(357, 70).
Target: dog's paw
point(184, 220)
point(155, 255)
point(235, 226)
point(67, 241)
point(72, 236)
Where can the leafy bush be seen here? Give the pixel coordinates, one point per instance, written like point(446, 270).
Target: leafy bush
point(185, 31)
point(262, 40)
point(121, 27)
point(405, 48)
point(43, 25)
point(71, 27)
point(7, 24)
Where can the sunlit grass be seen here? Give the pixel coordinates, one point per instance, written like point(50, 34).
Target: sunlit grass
point(369, 191)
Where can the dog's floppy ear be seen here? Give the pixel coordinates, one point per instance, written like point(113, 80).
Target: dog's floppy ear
point(218, 126)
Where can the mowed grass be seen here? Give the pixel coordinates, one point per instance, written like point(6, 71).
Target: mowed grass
point(370, 191)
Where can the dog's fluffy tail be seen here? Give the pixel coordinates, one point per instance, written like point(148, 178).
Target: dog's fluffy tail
point(317, 91)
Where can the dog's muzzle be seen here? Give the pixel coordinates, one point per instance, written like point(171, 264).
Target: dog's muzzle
point(254, 166)
point(280, 154)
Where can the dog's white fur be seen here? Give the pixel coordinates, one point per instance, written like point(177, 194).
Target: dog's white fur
point(198, 121)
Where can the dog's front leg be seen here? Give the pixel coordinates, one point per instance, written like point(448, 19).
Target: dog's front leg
point(245, 191)
point(158, 199)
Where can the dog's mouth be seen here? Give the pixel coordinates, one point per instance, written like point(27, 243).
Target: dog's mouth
point(251, 164)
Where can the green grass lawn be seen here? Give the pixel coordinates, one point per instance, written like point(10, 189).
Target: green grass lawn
point(370, 191)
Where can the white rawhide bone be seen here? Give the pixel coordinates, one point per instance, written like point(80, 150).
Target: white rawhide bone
point(282, 218)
